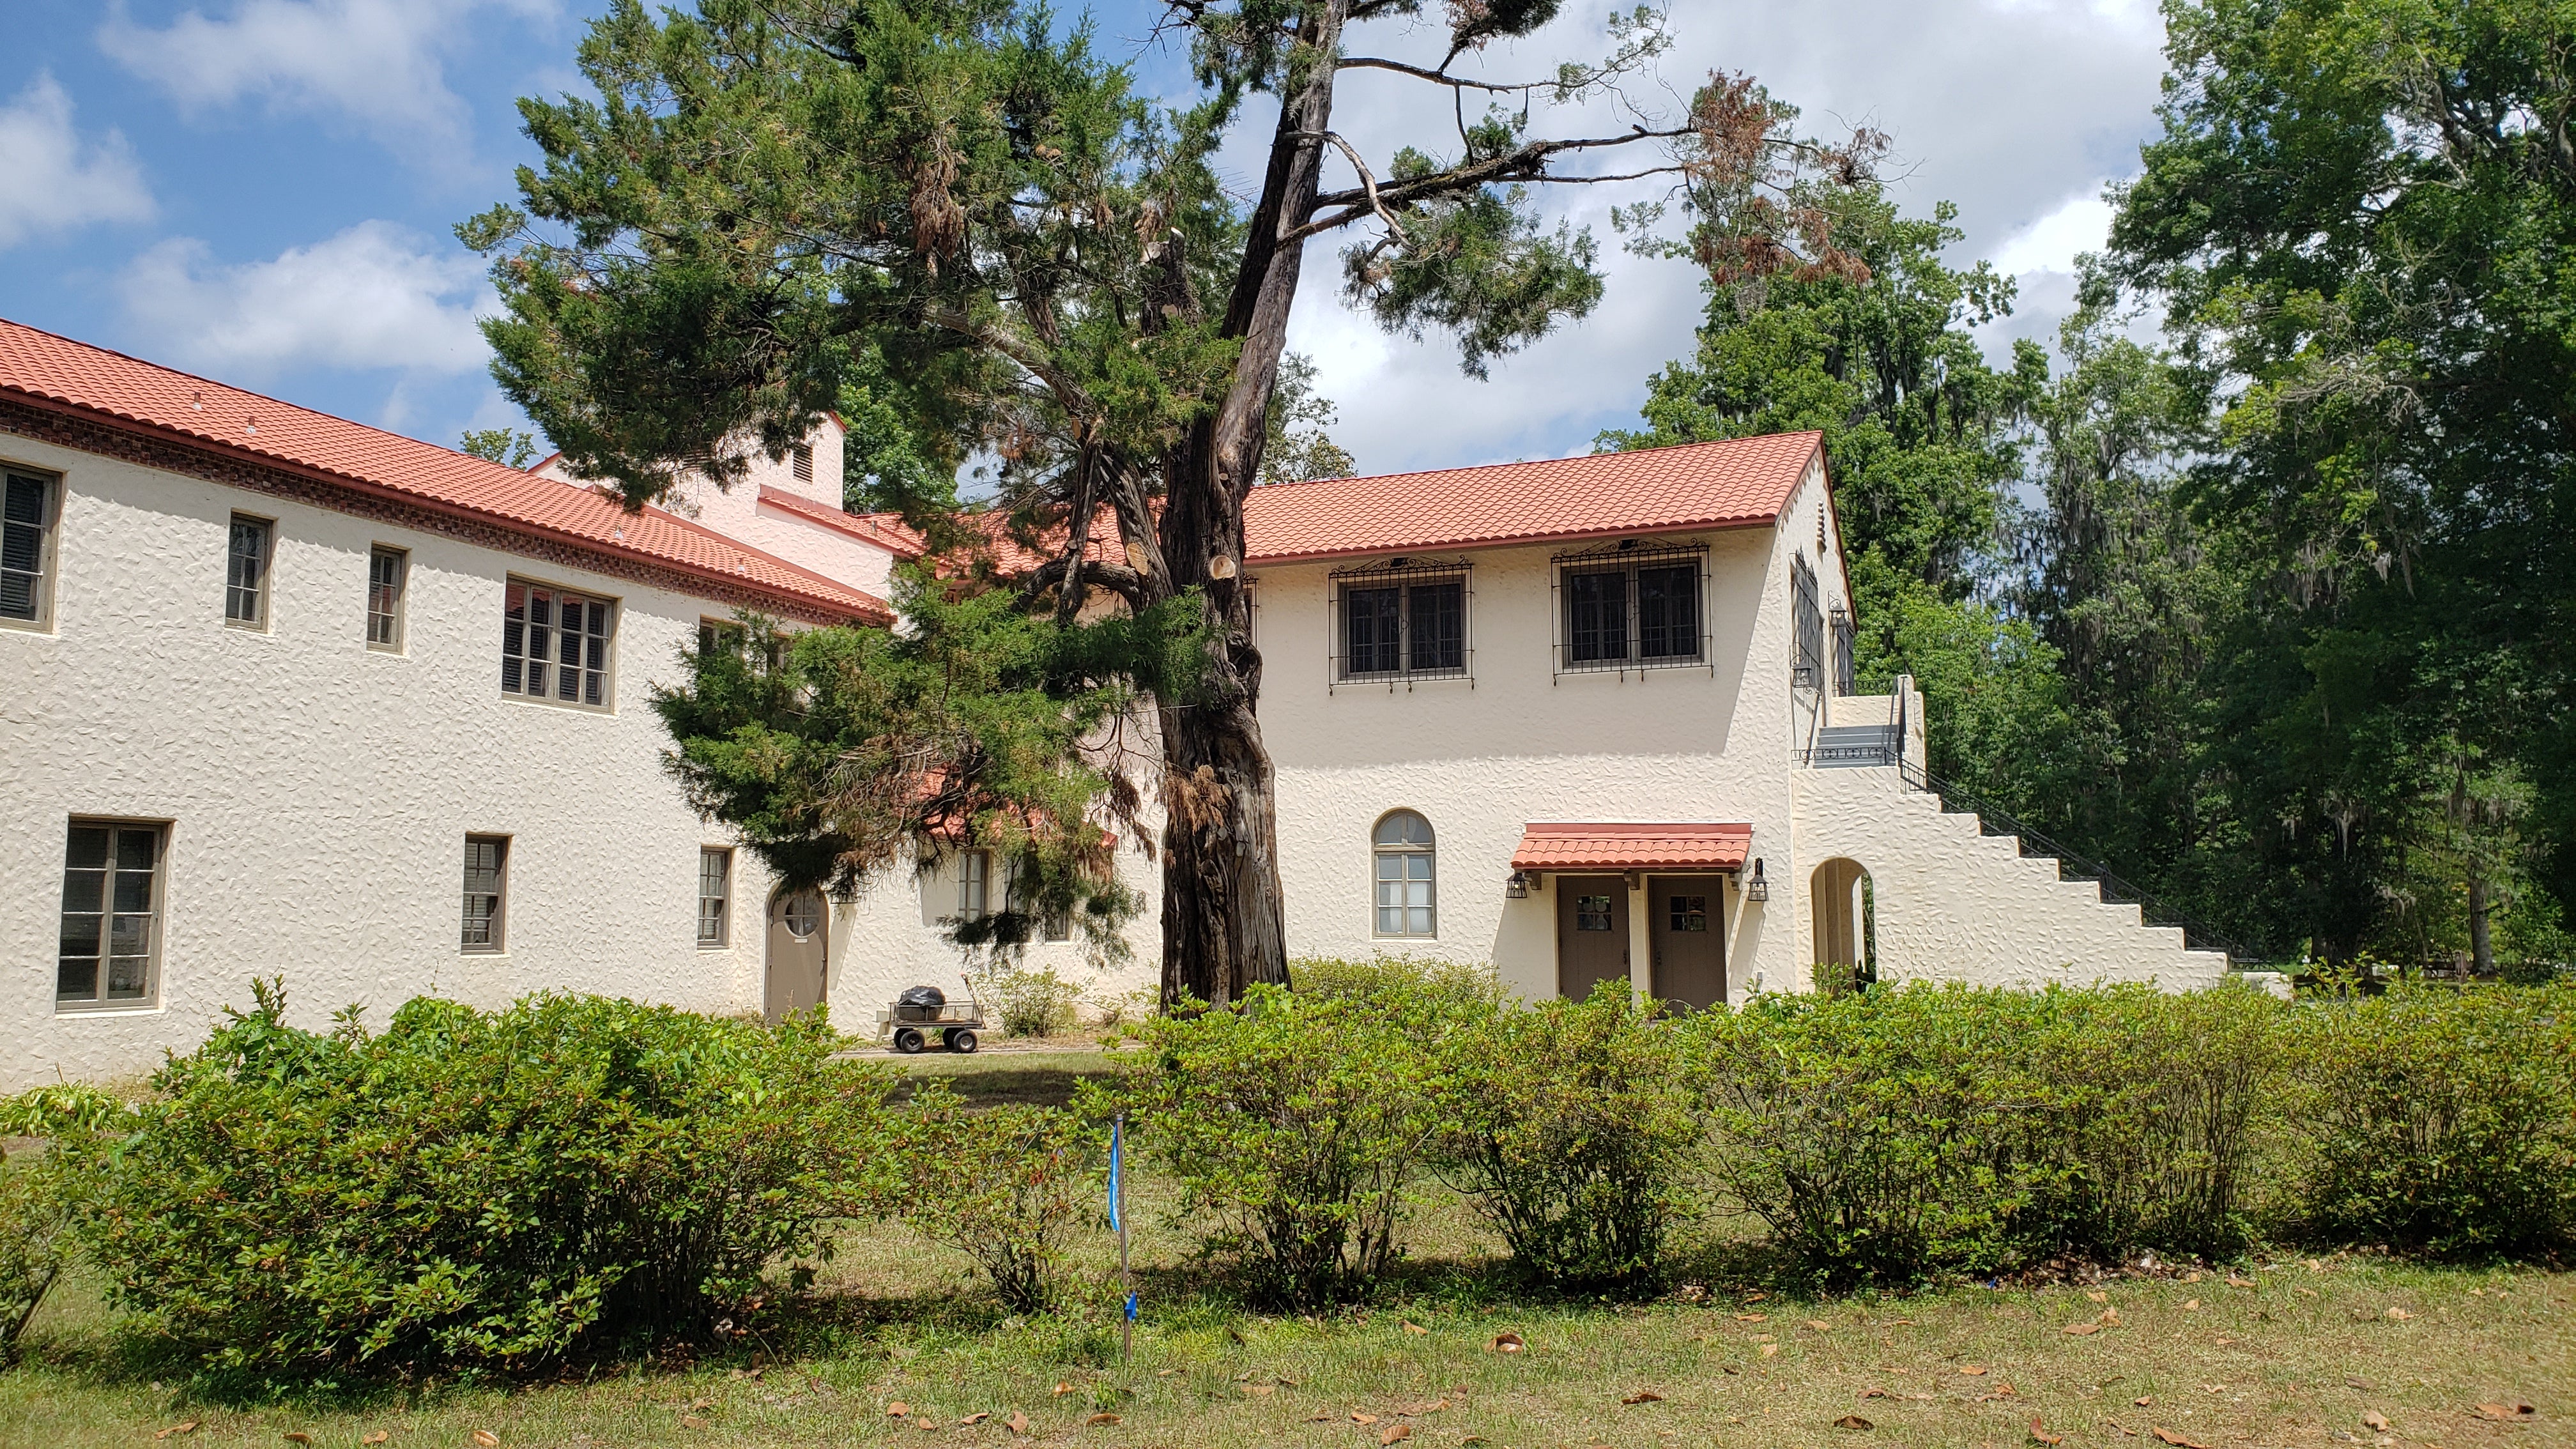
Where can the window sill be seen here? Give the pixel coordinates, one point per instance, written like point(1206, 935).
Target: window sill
point(109, 1009)
point(470, 955)
point(567, 706)
point(1630, 666)
point(41, 628)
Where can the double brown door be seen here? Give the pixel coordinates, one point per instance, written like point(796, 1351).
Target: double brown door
point(1591, 932)
point(1686, 916)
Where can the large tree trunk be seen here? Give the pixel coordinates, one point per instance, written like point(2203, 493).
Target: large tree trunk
point(1222, 913)
point(2481, 936)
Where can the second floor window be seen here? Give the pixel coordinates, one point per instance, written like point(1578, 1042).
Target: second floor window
point(1807, 621)
point(1402, 622)
point(1631, 609)
point(246, 573)
point(26, 551)
point(555, 645)
point(385, 599)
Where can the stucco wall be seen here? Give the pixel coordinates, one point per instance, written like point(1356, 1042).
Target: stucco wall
point(319, 793)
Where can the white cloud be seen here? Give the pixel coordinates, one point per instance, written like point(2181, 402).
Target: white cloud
point(50, 180)
point(378, 64)
point(2052, 243)
point(372, 296)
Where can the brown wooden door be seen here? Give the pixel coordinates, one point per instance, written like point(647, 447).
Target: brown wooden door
point(799, 927)
point(1591, 932)
point(1686, 917)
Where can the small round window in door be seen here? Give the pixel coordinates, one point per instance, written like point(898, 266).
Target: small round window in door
point(804, 913)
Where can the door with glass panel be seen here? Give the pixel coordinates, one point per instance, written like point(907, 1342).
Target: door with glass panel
point(1687, 917)
point(797, 935)
point(1591, 932)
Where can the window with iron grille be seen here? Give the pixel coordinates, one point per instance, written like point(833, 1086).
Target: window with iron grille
point(715, 894)
point(246, 572)
point(111, 936)
point(1400, 622)
point(27, 503)
point(487, 871)
point(386, 568)
point(1632, 607)
point(556, 645)
point(1846, 680)
point(1808, 622)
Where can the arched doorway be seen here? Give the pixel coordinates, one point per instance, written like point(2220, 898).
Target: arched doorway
point(1845, 946)
point(799, 929)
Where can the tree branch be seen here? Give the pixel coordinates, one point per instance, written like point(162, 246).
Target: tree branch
point(1368, 184)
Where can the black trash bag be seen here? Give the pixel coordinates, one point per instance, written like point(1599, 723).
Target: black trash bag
point(922, 996)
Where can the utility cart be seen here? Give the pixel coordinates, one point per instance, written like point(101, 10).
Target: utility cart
point(923, 1012)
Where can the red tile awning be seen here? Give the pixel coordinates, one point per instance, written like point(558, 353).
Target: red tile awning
point(1552, 846)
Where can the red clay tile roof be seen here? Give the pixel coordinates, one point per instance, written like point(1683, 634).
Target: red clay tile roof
point(138, 396)
point(1654, 490)
point(1551, 846)
point(885, 530)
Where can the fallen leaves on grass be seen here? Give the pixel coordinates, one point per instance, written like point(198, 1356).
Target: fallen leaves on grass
point(2002, 1391)
point(1770, 1349)
point(2110, 1317)
point(2099, 1297)
point(899, 1408)
point(1100, 1421)
point(1853, 1421)
point(2233, 1281)
point(1817, 1325)
point(2506, 1411)
point(1258, 1390)
point(1972, 1370)
point(185, 1427)
point(2191, 1305)
point(1018, 1423)
point(296, 1436)
point(2375, 1420)
point(2042, 1435)
point(692, 1421)
point(2179, 1441)
point(486, 1439)
point(1508, 1342)
point(1061, 1390)
point(2081, 1330)
point(1411, 1327)
point(378, 1437)
point(2116, 1424)
point(1643, 1396)
point(2399, 1315)
point(977, 1417)
point(1752, 1317)
point(1359, 1418)
point(1394, 1433)
point(2142, 1401)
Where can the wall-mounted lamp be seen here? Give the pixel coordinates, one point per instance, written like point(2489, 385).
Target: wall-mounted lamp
point(1757, 889)
point(1516, 886)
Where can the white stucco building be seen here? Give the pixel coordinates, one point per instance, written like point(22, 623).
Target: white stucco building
point(287, 695)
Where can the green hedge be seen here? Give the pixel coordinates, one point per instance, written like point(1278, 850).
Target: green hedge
point(470, 1188)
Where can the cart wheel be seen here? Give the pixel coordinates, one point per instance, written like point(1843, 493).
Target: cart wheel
point(961, 1040)
point(907, 1039)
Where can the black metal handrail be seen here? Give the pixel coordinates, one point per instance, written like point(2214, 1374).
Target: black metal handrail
point(2071, 864)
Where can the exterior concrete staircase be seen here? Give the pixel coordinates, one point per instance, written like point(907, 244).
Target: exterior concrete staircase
point(1954, 903)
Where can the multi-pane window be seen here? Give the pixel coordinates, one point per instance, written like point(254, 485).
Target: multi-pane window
point(487, 874)
point(1592, 913)
point(1845, 672)
point(715, 892)
point(1808, 623)
point(111, 914)
point(1687, 913)
point(246, 572)
point(555, 644)
point(717, 635)
point(26, 551)
point(974, 884)
point(1394, 626)
point(1405, 860)
point(1632, 609)
point(385, 570)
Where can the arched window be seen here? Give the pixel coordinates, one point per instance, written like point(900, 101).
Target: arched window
point(1402, 844)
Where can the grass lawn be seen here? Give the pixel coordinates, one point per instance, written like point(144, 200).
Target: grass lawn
point(2303, 1352)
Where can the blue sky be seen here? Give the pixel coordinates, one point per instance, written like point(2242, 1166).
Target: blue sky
point(262, 190)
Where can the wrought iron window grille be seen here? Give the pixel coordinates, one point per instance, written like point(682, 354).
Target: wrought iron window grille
point(1618, 609)
point(1401, 622)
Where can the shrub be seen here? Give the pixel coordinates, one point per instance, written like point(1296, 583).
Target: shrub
point(1031, 1003)
point(472, 1188)
point(40, 1193)
point(2442, 1121)
point(1566, 1126)
point(1010, 1185)
point(1895, 1132)
point(1293, 1124)
point(1405, 983)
